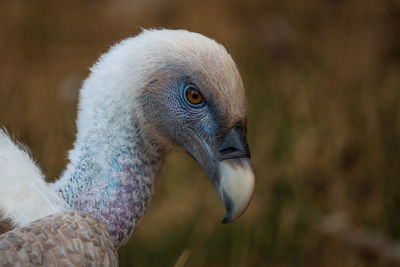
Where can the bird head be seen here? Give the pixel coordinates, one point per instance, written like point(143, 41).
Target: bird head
point(190, 96)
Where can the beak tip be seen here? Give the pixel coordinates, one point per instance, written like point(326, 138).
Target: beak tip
point(231, 215)
point(227, 219)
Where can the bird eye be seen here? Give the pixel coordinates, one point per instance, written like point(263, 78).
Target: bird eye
point(194, 96)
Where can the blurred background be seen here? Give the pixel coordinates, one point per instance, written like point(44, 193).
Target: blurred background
point(323, 87)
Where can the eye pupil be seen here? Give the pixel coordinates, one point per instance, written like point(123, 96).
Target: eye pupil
point(194, 96)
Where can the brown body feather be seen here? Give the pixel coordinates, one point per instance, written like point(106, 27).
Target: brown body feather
point(5, 224)
point(67, 239)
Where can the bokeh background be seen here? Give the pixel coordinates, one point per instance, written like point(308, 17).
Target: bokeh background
point(323, 87)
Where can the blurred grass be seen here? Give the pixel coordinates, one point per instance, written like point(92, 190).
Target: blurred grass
point(323, 86)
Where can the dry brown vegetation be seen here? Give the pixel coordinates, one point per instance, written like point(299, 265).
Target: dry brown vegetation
point(323, 83)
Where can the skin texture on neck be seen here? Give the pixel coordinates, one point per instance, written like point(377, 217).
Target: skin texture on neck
point(113, 176)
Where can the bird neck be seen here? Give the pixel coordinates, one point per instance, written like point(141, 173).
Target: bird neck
point(111, 173)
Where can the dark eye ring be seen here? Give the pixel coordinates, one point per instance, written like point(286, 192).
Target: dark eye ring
point(193, 96)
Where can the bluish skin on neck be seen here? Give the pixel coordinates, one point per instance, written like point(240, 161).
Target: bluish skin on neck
point(116, 188)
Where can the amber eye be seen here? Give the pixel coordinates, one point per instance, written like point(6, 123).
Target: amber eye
point(194, 96)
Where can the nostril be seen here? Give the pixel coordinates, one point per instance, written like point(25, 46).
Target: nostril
point(227, 150)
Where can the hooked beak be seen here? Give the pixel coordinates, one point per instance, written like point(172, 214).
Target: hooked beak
point(235, 187)
point(229, 168)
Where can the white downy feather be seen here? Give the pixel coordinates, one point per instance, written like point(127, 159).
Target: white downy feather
point(24, 195)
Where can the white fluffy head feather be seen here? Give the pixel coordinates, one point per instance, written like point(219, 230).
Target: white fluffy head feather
point(121, 74)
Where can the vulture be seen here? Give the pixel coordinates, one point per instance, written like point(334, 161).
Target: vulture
point(159, 91)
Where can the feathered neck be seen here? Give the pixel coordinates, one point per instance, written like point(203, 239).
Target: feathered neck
point(111, 173)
